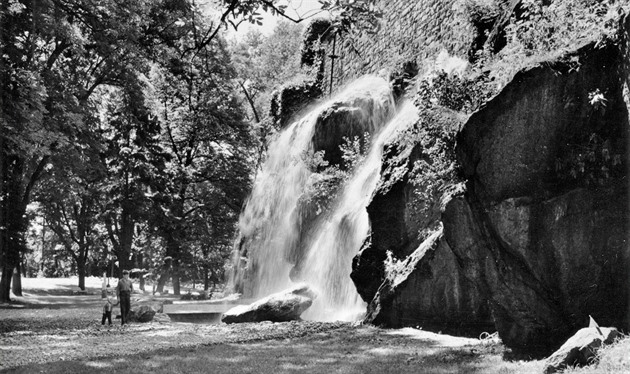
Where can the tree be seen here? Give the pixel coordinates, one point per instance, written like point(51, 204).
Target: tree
point(70, 196)
point(264, 64)
point(132, 159)
point(207, 142)
point(31, 126)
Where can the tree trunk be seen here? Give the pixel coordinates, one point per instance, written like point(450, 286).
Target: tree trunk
point(11, 248)
point(138, 262)
point(17, 281)
point(81, 271)
point(164, 275)
point(206, 279)
point(122, 240)
point(175, 278)
point(12, 237)
point(5, 283)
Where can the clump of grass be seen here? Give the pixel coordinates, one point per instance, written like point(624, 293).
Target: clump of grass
point(613, 358)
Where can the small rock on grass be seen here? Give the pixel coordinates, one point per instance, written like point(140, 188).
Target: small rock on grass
point(581, 348)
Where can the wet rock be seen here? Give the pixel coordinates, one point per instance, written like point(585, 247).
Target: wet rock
point(279, 307)
point(360, 112)
point(581, 348)
point(422, 283)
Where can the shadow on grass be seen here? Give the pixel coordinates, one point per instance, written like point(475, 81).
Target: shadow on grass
point(348, 351)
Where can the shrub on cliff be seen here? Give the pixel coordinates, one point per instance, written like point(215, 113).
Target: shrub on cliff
point(323, 185)
point(287, 102)
point(545, 30)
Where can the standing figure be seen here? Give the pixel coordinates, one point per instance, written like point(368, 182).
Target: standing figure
point(107, 310)
point(124, 289)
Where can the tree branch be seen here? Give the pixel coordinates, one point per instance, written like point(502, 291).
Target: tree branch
point(34, 178)
point(211, 36)
point(250, 101)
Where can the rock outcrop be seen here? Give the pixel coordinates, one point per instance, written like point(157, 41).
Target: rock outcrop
point(360, 111)
point(428, 289)
point(581, 348)
point(538, 235)
point(289, 101)
point(422, 284)
point(279, 307)
point(542, 229)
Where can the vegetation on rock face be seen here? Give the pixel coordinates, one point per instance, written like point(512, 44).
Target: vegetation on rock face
point(544, 30)
point(324, 184)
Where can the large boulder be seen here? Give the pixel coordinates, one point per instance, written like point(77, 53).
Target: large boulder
point(279, 307)
point(145, 310)
point(543, 227)
point(581, 348)
point(141, 313)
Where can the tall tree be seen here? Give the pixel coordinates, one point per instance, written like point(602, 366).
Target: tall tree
point(132, 159)
point(70, 197)
point(207, 140)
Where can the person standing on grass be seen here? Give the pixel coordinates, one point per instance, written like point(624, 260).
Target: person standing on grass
point(107, 310)
point(124, 289)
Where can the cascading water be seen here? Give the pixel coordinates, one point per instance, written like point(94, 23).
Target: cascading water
point(340, 238)
point(272, 224)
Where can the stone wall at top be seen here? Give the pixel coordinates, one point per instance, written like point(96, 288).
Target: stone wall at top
point(411, 30)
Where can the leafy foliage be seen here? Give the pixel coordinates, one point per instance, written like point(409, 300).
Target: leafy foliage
point(453, 91)
point(266, 63)
point(593, 163)
point(324, 184)
point(546, 30)
point(349, 16)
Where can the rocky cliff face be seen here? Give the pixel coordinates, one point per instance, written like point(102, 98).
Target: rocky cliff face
point(419, 282)
point(539, 236)
point(542, 228)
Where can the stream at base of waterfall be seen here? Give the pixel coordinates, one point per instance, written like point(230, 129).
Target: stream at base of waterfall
point(282, 241)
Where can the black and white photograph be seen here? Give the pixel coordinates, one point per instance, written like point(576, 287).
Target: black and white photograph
point(315, 186)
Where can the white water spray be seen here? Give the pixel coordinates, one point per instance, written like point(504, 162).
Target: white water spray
point(340, 238)
point(271, 223)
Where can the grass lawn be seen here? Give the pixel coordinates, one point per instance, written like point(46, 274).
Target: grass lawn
point(52, 332)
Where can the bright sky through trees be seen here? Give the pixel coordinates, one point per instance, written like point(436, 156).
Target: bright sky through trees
point(295, 9)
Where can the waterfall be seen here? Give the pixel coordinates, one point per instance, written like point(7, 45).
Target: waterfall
point(273, 224)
